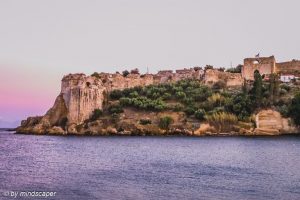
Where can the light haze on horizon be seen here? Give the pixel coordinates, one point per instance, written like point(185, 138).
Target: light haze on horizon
point(43, 40)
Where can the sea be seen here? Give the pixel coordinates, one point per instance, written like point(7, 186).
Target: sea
point(74, 167)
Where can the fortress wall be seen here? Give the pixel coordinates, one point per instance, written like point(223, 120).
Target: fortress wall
point(265, 65)
point(231, 79)
point(291, 67)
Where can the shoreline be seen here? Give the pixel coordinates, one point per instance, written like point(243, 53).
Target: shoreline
point(161, 136)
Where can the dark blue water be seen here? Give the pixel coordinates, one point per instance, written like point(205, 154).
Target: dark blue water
point(151, 167)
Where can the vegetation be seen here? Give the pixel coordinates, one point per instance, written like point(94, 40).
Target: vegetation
point(237, 69)
point(165, 122)
point(222, 121)
point(216, 104)
point(95, 74)
point(257, 88)
point(96, 114)
point(294, 109)
point(125, 73)
point(145, 121)
point(200, 114)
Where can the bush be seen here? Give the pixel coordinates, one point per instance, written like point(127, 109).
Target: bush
point(282, 91)
point(180, 95)
point(125, 73)
point(144, 103)
point(189, 110)
point(286, 87)
point(199, 114)
point(236, 69)
point(165, 122)
point(116, 94)
point(240, 105)
point(145, 121)
point(177, 107)
point(284, 110)
point(294, 109)
point(115, 109)
point(96, 114)
point(219, 85)
point(166, 96)
point(95, 74)
point(222, 121)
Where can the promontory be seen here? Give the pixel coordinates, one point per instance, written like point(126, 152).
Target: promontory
point(260, 97)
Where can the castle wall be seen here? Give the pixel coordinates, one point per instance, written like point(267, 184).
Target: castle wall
point(212, 76)
point(291, 67)
point(265, 65)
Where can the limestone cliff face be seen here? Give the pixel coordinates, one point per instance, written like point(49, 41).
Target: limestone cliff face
point(82, 95)
point(270, 122)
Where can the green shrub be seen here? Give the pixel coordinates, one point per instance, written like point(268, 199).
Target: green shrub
point(177, 107)
point(165, 122)
point(219, 85)
point(144, 103)
point(294, 109)
point(96, 114)
point(180, 95)
point(95, 74)
point(189, 110)
point(145, 121)
point(125, 73)
point(199, 114)
point(285, 86)
point(115, 109)
point(166, 96)
point(116, 94)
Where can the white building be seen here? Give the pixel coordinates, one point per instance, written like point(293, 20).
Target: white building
point(287, 77)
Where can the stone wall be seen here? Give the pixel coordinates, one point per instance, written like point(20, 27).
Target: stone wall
point(265, 65)
point(291, 67)
point(230, 79)
point(268, 65)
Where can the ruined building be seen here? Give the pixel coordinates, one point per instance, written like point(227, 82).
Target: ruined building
point(268, 65)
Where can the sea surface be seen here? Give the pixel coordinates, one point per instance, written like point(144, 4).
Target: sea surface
point(150, 167)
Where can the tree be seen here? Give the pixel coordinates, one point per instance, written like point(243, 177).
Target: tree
point(135, 71)
point(257, 88)
point(125, 73)
point(199, 114)
point(96, 114)
point(95, 74)
point(274, 87)
point(294, 109)
point(165, 122)
point(208, 67)
point(237, 69)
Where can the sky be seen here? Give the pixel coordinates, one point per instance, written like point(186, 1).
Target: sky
point(40, 41)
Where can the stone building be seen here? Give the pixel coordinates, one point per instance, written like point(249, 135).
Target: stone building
point(268, 65)
point(265, 66)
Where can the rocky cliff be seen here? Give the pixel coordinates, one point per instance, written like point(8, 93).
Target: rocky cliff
point(80, 95)
point(270, 122)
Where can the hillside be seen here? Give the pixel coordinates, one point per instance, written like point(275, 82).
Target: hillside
point(184, 107)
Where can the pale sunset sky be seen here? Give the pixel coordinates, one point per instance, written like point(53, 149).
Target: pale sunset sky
point(40, 41)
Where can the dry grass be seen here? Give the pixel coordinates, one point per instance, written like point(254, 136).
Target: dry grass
point(222, 121)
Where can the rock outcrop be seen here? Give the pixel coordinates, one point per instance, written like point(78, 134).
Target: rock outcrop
point(270, 122)
point(80, 95)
